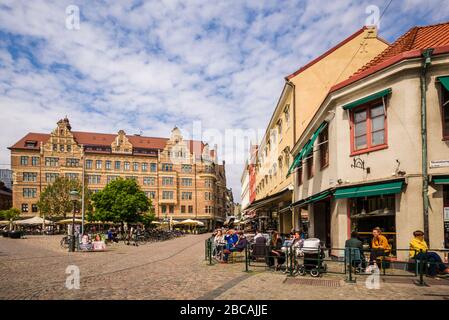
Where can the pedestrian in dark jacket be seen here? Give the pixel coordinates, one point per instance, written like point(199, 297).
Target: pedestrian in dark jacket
point(355, 243)
point(239, 246)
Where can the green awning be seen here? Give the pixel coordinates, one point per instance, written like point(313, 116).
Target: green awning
point(444, 81)
point(369, 190)
point(315, 198)
point(306, 149)
point(370, 98)
point(441, 180)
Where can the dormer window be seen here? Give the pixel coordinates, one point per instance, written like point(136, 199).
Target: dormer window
point(30, 144)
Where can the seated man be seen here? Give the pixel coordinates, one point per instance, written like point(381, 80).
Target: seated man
point(419, 251)
point(355, 243)
point(239, 246)
point(85, 242)
point(379, 246)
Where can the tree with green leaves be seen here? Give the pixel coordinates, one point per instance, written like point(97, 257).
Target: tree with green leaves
point(10, 215)
point(55, 200)
point(121, 201)
point(147, 218)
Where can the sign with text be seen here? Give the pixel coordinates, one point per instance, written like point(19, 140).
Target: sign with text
point(439, 163)
point(446, 214)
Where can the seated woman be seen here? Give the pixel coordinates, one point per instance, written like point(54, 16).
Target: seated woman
point(219, 244)
point(379, 246)
point(420, 251)
point(277, 257)
point(239, 246)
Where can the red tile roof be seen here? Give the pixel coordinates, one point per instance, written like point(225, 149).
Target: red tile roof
point(342, 43)
point(409, 45)
point(105, 139)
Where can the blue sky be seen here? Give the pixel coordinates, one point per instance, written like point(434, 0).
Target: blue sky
point(150, 65)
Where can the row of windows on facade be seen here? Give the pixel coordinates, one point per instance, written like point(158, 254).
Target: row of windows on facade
point(184, 209)
point(96, 179)
point(324, 160)
point(284, 158)
point(275, 134)
point(73, 162)
point(164, 208)
point(166, 195)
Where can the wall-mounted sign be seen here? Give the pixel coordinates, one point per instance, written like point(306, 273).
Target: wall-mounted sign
point(439, 163)
point(446, 214)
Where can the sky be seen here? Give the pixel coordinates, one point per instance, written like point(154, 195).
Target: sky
point(215, 67)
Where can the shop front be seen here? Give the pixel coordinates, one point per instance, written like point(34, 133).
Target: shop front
point(371, 206)
point(272, 213)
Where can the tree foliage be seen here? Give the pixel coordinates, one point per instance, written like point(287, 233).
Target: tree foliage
point(120, 201)
point(10, 215)
point(55, 200)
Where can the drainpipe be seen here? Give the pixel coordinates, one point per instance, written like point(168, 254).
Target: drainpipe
point(427, 54)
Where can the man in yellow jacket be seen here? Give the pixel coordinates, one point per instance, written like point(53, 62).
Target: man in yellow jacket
point(379, 245)
point(420, 251)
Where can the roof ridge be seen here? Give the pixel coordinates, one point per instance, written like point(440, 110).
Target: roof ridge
point(432, 25)
point(387, 50)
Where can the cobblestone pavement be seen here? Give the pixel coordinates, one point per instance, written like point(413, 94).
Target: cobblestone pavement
point(34, 268)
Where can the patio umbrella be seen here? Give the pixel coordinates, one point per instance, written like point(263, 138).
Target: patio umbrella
point(32, 221)
point(69, 221)
point(191, 222)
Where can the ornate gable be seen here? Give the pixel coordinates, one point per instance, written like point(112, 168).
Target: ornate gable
point(61, 139)
point(176, 149)
point(121, 144)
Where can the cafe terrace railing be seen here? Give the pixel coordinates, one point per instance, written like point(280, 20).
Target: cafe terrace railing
point(343, 261)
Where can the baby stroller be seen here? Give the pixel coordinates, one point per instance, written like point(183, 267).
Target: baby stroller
point(313, 255)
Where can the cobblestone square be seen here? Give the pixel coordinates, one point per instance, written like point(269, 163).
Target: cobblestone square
point(34, 268)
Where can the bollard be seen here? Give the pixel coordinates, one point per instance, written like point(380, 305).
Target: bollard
point(246, 258)
point(421, 271)
point(291, 260)
point(350, 280)
point(210, 253)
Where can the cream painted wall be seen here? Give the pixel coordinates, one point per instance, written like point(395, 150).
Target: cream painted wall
point(311, 87)
point(313, 84)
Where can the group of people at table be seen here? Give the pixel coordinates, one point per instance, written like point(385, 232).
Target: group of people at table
point(419, 250)
point(228, 241)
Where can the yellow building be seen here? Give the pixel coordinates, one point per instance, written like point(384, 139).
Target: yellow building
point(303, 92)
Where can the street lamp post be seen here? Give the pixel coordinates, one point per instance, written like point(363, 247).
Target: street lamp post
point(74, 196)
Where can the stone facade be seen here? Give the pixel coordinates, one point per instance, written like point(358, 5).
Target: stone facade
point(181, 177)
